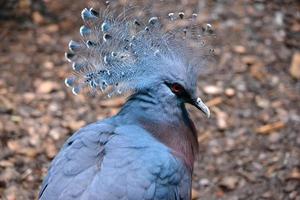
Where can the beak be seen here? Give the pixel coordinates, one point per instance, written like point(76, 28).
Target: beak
point(198, 103)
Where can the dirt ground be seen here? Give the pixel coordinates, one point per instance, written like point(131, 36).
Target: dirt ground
point(249, 148)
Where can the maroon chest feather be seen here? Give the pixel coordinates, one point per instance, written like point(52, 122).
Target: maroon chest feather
point(181, 138)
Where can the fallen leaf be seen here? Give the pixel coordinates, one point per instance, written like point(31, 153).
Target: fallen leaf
point(214, 102)
point(50, 148)
point(37, 17)
point(6, 163)
point(295, 66)
point(203, 137)
point(269, 128)
point(29, 152)
point(46, 87)
point(239, 49)
point(75, 125)
point(195, 194)
point(258, 71)
point(222, 119)
point(52, 28)
point(212, 89)
point(6, 105)
point(294, 174)
point(262, 102)
point(229, 182)
point(14, 145)
point(230, 92)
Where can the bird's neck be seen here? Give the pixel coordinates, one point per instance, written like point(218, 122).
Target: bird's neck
point(166, 120)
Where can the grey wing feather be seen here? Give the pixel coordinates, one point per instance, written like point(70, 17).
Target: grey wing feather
point(102, 162)
point(78, 160)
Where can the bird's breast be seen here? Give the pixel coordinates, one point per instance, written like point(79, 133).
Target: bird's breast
point(179, 137)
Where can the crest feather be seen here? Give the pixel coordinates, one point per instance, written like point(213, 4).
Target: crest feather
point(122, 53)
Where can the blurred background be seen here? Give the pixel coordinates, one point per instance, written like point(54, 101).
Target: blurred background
point(249, 148)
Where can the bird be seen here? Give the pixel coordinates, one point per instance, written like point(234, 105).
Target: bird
point(147, 150)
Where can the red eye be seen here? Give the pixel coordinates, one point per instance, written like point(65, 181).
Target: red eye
point(176, 88)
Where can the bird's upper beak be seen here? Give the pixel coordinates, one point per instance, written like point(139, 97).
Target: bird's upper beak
point(198, 103)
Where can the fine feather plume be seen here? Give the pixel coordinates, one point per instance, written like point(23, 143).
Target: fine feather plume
point(121, 53)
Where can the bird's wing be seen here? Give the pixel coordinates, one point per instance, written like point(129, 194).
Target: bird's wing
point(78, 161)
point(105, 163)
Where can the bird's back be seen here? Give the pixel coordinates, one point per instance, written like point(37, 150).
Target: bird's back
point(104, 161)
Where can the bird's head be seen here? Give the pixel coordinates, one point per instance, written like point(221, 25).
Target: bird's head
point(176, 82)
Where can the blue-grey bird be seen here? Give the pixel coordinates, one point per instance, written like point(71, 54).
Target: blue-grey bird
point(147, 150)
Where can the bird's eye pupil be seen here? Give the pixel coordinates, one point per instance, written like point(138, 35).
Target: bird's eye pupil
point(176, 88)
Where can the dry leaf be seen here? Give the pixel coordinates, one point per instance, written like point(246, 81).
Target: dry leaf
point(269, 128)
point(295, 66)
point(46, 87)
point(195, 194)
point(212, 89)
